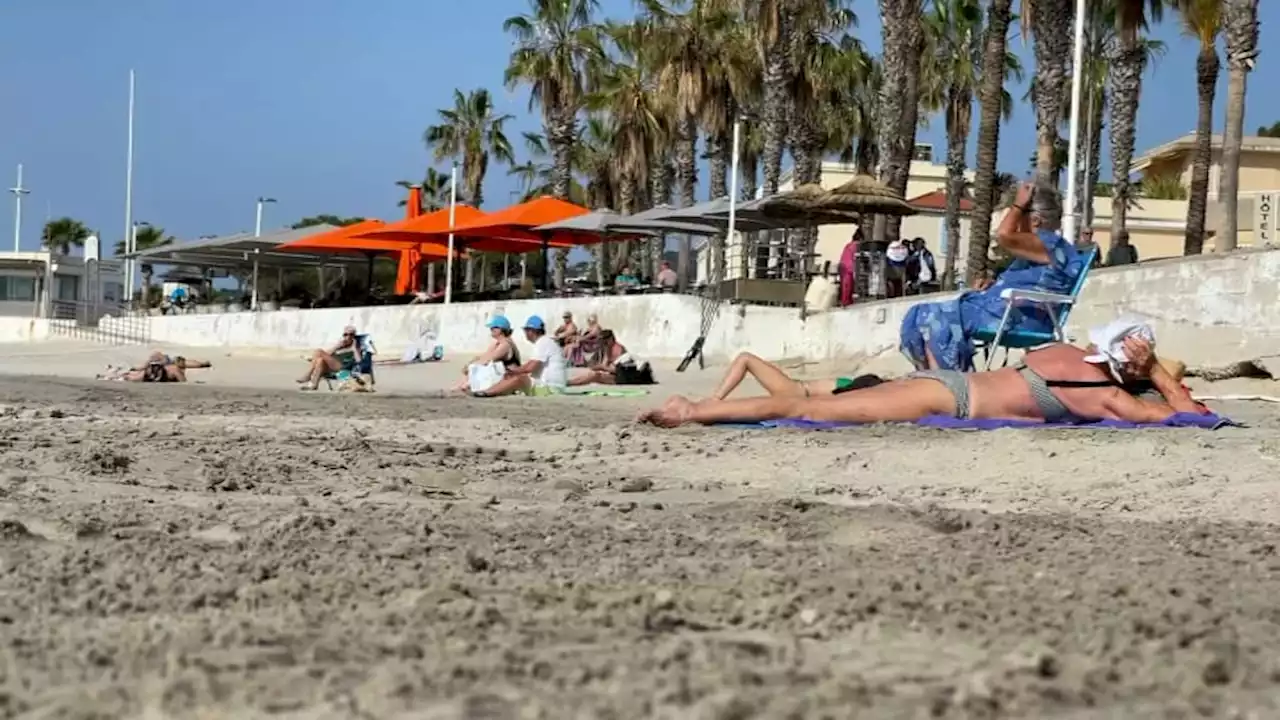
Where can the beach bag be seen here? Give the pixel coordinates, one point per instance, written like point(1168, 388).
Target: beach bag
point(629, 371)
point(482, 377)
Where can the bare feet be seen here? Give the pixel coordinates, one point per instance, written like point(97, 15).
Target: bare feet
point(675, 412)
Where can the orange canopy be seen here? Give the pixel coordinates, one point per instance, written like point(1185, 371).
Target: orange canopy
point(432, 229)
point(350, 239)
point(518, 221)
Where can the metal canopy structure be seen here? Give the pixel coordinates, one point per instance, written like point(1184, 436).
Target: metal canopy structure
point(245, 250)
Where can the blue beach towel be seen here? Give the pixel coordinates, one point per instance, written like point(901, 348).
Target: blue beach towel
point(1183, 420)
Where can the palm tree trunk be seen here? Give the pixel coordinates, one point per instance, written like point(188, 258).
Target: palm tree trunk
point(1207, 69)
point(1095, 158)
point(959, 109)
point(718, 149)
point(1128, 61)
point(749, 166)
point(687, 178)
point(777, 100)
point(990, 101)
point(1051, 26)
point(898, 109)
point(1240, 24)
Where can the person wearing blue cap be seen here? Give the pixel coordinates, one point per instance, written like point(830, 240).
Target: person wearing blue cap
point(546, 373)
point(490, 367)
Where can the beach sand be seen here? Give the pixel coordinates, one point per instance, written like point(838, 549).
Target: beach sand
point(237, 549)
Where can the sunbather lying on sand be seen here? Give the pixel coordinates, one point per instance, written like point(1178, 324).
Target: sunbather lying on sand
point(159, 367)
point(778, 383)
point(1054, 384)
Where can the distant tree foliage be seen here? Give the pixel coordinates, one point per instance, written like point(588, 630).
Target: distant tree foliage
point(326, 220)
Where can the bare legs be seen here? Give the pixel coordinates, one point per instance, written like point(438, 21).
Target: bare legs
point(322, 363)
point(899, 401)
point(508, 385)
point(593, 377)
point(772, 378)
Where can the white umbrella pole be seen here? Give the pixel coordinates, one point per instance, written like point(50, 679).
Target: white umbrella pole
point(253, 299)
point(448, 263)
point(1073, 136)
point(733, 199)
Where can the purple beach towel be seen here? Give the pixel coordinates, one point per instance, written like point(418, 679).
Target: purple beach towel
point(1179, 420)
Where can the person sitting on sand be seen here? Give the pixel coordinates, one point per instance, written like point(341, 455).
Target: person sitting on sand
point(567, 333)
point(159, 367)
point(346, 355)
point(777, 383)
point(1054, 384)
point(502, 351)
point(580, 350)
point(614, 366)
point(546, 373)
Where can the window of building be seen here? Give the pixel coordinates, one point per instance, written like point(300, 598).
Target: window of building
point(66, 287)
point(923, 153)
point(16, 288)
point(112, 291)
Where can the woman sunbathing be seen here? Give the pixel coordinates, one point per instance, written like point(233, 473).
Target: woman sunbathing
point(159, 367)
point(1054, 384)
point(778, 383)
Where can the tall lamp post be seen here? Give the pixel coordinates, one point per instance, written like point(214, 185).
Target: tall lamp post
point(18, 191)
point(257, 223)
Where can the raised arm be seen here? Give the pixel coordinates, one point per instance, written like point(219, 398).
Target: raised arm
point(1015, 234)
point(1120, 405)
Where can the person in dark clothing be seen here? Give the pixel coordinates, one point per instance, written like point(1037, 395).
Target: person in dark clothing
point(922, 271)
point(1121, 252)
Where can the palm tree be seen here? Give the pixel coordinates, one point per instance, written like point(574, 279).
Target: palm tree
point(686, 48)
point(435, 190)
point(146, 237)
point(903, 35)
point(954, 31)
point(1241, 31)
point(62, 234)
point(991, 102)
point(770, 22)
point(471, 131)
point(1202, 20)
point(1127, 60)
point(555, 44)
point(1049, 22)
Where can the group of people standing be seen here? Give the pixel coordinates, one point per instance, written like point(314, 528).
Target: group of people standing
point(909, 269)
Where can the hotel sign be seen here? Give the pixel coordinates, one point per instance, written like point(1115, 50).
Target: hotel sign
point(1264, 219)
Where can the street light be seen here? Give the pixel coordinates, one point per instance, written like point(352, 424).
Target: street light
point(257, 224)
point(18, 191)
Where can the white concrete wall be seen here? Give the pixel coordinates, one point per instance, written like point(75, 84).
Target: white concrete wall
point(1211, 308)
point(23, 329)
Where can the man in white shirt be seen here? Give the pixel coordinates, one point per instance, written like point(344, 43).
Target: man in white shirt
point(545, 373)
point(667, 278)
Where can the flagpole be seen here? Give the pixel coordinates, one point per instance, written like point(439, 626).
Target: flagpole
point(733, 200)
point(1073, 134)
point(129, 232)
point(448, 263)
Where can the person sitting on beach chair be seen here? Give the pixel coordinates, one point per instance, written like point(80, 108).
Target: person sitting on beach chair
point(1059, 383)
point(545, 373)
point(351, 355)
point(615, 366)
point(778, 383)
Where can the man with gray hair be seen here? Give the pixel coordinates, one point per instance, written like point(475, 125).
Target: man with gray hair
point(939, 336)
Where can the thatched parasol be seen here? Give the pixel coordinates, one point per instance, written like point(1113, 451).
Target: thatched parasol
point(863, 195)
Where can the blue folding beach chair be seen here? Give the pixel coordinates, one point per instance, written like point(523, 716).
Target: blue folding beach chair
point(363, 368)
point(1058, 306)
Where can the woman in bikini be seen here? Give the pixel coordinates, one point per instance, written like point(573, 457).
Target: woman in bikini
point(501, 349)
point(778, 383)
point(1054, 384)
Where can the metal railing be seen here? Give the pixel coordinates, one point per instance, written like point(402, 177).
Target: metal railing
point(103, 322)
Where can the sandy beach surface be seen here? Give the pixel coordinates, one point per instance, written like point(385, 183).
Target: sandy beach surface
point(237, 549)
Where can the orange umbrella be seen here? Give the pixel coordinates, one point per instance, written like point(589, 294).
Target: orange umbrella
point(433, 229)
point(519, 221)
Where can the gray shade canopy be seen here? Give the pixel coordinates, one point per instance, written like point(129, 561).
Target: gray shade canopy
point(656, 220)
point(599, 222)
point(243, 249)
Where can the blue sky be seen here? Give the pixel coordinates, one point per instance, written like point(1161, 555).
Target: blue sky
point(322, 104)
